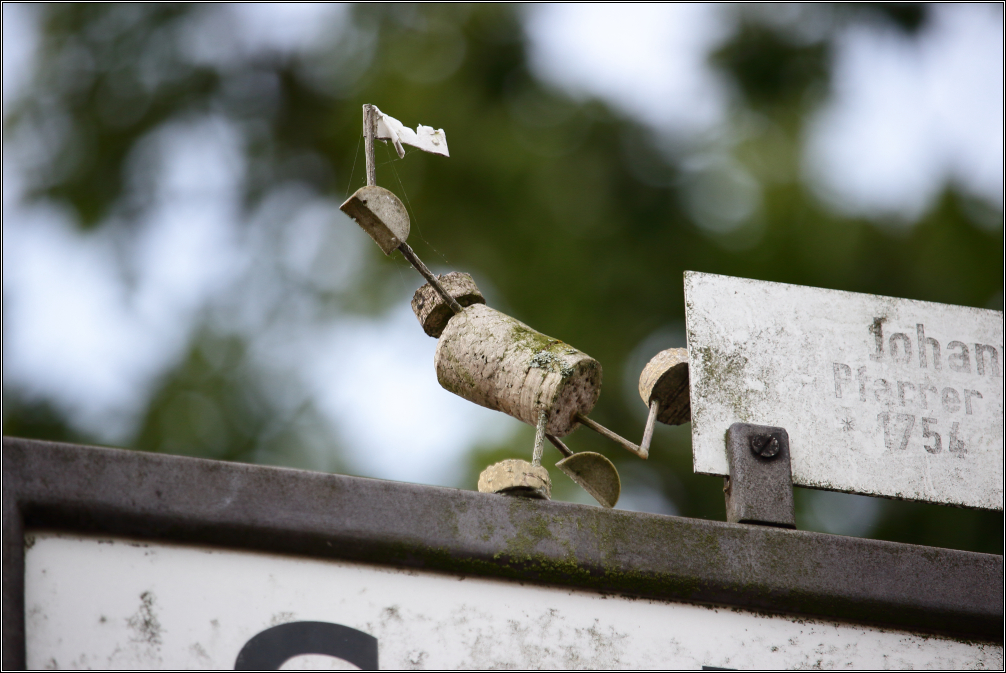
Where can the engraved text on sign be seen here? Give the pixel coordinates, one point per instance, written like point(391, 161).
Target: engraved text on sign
point(880, 396)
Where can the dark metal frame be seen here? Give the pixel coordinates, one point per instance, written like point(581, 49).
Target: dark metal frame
point(759, 489)
point(49, 486)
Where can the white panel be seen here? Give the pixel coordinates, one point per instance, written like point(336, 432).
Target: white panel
point(104, 603)
point(856, 381)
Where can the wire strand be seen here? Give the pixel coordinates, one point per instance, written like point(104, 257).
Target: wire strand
point(419, 228)
point(351, 172)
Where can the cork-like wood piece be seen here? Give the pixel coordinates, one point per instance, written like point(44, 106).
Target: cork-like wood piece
point(665, 379)
point(381, 214)
point(498, 362)
point(595, 474)
point(431, 309)
point(516, 477)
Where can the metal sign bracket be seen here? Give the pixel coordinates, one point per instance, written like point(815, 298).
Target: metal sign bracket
point(759, 489)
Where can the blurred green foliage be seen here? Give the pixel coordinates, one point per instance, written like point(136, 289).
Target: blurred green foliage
point(579, 219)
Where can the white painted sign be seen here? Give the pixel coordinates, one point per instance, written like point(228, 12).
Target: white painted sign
point(95, 602)
point(879, 396)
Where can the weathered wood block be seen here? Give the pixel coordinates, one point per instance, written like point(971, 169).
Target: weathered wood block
point(665, 379)
point(431, 309)
point(516, 477)
point(498, 362)
point(381, 214)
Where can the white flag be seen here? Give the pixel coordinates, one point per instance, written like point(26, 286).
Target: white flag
point(424, 137)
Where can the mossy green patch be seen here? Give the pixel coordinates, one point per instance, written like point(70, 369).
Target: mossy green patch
point(665, 558)
point(721, 371)
point(546, 360)
point(547, 352)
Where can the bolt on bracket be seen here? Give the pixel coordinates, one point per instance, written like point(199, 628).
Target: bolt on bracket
point(759, 489)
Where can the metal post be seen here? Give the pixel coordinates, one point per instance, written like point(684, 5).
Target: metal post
point(369, 131)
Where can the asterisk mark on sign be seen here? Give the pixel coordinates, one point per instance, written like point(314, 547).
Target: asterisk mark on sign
point(848, 424)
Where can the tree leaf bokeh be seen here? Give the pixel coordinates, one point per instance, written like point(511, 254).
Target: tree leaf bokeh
point(573, 217)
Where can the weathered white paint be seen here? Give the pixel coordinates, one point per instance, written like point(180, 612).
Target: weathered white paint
point(820, 364)
point(425, 138)
point(113, 603)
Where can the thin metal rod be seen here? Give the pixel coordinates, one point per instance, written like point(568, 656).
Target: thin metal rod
point(651, 420)
point(539, 438)
point(428, 275)
point(369, 131)
point(557, 443)
point(600, 429)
